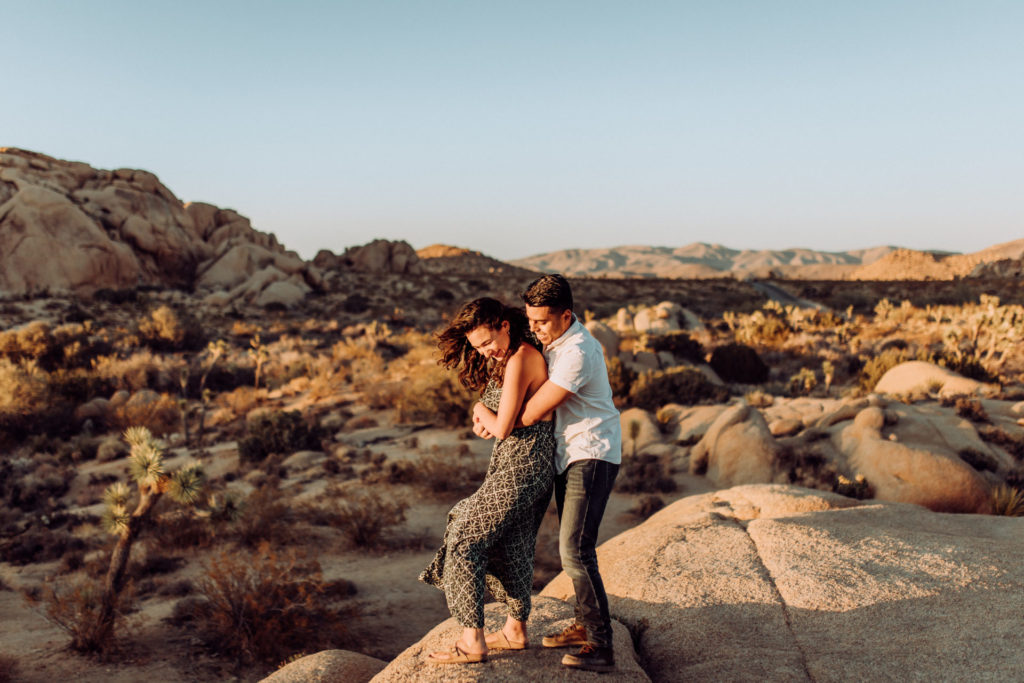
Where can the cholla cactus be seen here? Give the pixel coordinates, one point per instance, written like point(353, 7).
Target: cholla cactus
point(152, 480)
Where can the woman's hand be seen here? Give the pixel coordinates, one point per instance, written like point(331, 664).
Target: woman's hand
point(480, 412)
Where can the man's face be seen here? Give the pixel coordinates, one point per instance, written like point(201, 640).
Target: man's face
point(548, 324)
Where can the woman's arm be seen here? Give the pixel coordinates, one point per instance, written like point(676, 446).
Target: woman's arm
point(512, 392)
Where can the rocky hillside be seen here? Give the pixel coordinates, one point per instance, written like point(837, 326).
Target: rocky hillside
point(700, 260)
point(68, 227)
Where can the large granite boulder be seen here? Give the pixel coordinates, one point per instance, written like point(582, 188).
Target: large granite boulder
point(534, 664)
point(738, 448)
point(329, 666)
point(778, 583)
point(379, 256)
point(921, 377)
point(67, 227)
point(930, 476)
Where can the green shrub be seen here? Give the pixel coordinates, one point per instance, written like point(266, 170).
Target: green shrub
point(686, 386)
point(282, 432)
point(739, 363)
point(679, 344)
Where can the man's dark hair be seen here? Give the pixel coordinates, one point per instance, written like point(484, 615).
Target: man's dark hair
point(552, 291)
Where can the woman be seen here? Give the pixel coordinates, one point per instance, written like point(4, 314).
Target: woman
point(491, 535)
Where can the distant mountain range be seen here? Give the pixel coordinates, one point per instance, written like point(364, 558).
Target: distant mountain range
point(701, 260)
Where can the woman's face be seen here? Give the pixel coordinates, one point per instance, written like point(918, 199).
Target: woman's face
point(490, 342)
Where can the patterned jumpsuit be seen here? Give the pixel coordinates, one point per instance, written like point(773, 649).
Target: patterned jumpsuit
point(491, 535)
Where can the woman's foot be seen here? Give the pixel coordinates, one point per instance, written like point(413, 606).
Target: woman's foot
point(459, 653)
point(500, 641)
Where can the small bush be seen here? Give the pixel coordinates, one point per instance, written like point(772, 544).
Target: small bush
point(167, 329)
point(679, 344)
point(970, 408)
point(1012, 444)
point(1007, 501)
point(686, 386)
point(278, 432)
point(645, 473)
point(647, 506)
point(739, 363)
point(364, 515)
point(432, 394)
point(76, 610)
point(264, 518)
point(621, 377)
point(265, 607)
point(878, 365)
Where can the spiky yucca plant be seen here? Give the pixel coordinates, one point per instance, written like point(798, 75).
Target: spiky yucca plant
point(152, 480)
point(1008, 501)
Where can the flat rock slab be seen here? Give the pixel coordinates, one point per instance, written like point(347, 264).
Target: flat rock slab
point(780, 583)
point(534, 664)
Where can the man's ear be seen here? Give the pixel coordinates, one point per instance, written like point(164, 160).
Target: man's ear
point(567, 317)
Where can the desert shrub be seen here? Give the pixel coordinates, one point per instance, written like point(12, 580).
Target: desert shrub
point(645, 473)
point(1007, 501)
point(647, 506)
point(968, 407)
point(77, 611)
point(1012, 444)
point(432, 394)
point(878, 365)
point(264, 517)
point(804, 466)
point(364, 515)
point(28, 402)
point(159, 413)
point(355, 303)
point(277, 432)
point(39, 544)
point(679, 344)
point(968, 367)
point(620, 377)
point(8, 669)
point(687, 386)
point(739, 363)
point(265, 606)
point(168, 329)
point(443, 472)
point(803, 382)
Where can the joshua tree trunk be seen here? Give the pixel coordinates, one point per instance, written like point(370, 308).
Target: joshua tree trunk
point(118, 563)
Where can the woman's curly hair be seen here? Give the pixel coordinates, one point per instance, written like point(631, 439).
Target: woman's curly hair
point(456, 351)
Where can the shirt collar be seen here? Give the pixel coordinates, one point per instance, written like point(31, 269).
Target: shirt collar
point(569, 331)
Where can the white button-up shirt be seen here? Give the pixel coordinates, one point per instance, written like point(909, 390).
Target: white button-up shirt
point(587, 423)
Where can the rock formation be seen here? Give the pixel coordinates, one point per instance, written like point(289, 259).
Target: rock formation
point(778, 583)
point(65, 226)
point(328, 666)
point(534, 664)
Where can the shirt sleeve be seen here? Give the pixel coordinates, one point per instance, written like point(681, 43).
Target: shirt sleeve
point(568, 370)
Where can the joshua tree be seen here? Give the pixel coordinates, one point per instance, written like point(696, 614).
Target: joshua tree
point(259, 355)
point(147, 469)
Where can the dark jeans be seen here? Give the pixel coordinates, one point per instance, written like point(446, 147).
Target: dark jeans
point(581, 493)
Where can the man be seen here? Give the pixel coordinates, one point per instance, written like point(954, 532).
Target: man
point(589, 453)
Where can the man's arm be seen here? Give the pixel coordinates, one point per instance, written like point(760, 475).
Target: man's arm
point(547, 398)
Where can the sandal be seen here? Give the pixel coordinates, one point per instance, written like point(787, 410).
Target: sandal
point(456, 655)
point(501, 642)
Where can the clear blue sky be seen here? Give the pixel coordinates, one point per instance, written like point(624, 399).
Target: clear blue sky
point(521, 127)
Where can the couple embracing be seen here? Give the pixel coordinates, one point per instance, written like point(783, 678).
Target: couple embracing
point(547, 403)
